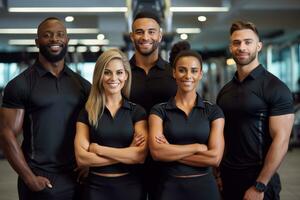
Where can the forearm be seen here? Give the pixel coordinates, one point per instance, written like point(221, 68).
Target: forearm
point(170, 152)
point(127, 155)
point(15, 156)
point(89, 159)
point(273, 159)
point(203, 159)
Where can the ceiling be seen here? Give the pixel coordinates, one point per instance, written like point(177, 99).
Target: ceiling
point(277, 20)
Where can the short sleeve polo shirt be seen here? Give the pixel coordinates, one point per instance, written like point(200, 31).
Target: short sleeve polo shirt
point(117, 131)
point(178, 128)
point(247, 106)
point(155, 87)
point(51, 106)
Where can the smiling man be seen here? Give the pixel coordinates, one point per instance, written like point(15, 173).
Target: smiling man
point(152, 79)
point(44, 102)
point(258, 110)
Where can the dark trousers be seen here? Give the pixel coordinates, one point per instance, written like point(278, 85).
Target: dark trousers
point(237, 182)
point(113, 188)
point(64, 187)
point(201, 187)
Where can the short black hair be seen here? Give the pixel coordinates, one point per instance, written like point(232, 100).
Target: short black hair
point(186, 53)
point(48, 19)
point(177, 48)
point(147, 14)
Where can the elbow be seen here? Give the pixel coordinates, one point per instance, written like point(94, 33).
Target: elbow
point(81, 161)
point(216, 160)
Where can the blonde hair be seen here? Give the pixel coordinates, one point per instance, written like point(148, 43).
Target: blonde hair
point(96, 102)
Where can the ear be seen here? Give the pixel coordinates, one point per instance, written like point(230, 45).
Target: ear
point(37, 42)
point(174, 71)
point(259, 46)
point(160, 34)
point(201, 74)
point(131, 37)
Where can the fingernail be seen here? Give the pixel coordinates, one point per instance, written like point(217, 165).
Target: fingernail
point(49, 185)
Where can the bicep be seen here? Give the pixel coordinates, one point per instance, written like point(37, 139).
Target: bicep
point(155, 128)
point(82, 138)
point(141, 127)
point(11, 120)
point(281, 125)
point(216, 137)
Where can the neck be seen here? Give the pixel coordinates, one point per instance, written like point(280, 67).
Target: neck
point(54, 68)
point(113, 99)
point(244, 70)
point(186, 98)
point(146, 62)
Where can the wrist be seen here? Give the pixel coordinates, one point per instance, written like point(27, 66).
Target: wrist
point(260, 186)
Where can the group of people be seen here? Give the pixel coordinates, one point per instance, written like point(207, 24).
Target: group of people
point(141, 130)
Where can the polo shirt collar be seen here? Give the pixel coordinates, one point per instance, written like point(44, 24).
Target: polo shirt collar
point(42, 71)
point(126, 104)
point(160, 63)
point(254, 74)
point(171, 104)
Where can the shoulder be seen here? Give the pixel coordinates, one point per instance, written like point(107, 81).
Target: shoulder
point(225, 89)
point(212, 110)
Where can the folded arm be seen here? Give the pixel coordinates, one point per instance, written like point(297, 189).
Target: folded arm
point(133, 154)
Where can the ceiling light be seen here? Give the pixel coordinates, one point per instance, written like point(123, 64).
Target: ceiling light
point(87, 42)
point(34, 30)
point(100, 36)
point(199, 9)
point(184, 36)
point(201, 18)
point(188, 30)
point(69, 19)
point(94, 49)
point(67, 9)
point(81, 49)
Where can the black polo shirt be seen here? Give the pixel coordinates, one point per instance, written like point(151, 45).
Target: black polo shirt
point(247, 106)
point(155, 87)
point(178, 128)
point(51, 107)
point(117, 131)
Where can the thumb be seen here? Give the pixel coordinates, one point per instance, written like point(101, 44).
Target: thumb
point(48, 183)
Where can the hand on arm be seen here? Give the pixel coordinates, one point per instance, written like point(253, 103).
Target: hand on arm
point(213, 155)
point(280, 129)
point(10, 126)
point(84, 157)
point(133, 154)
point(160, 147)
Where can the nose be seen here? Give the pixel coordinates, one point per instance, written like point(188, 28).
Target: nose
point(113, 76)
point(145, 36)
point(242, 46)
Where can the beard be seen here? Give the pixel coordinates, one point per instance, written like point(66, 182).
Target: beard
point(146, 52)
point(53, 57)
point(243, 62)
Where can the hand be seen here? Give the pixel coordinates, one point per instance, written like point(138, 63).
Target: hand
point(138, 140)
point(202, 147)
point(93, 148)
point(253, 194)
point(161, 139)
point(38, 183)
point(219, 183)
point(82, 173)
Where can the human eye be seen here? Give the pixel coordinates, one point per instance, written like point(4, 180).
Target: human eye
point(120, 72)
point(107, 72)
point(61, 34)
point(195, 70)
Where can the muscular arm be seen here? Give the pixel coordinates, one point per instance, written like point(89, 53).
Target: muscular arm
point(10, 126)
point(84, 158)
point(165, 151)
point(213, 156)
point(133, 154)
point(280, 130)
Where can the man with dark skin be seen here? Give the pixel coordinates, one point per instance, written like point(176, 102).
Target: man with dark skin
point(44, 102)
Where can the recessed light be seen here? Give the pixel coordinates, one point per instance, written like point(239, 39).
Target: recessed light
point(69, 19)
point(184, 36)
point(201, 18)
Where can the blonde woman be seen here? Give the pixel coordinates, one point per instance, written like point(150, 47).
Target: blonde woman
point(111, 135)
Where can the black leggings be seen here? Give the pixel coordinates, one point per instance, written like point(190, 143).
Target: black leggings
point(112, 188)
point(201, 187)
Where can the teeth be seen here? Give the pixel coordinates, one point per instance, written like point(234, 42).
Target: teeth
point(55, 47)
